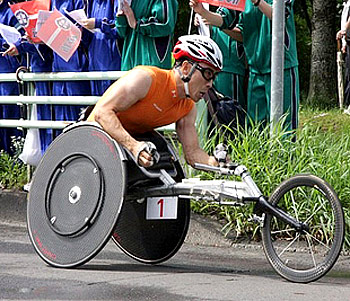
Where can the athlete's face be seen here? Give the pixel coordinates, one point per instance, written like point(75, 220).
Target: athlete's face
point(201, 81)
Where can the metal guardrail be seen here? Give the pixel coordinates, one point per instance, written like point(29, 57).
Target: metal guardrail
point(59, 100)
point(22, 76)
point(37, 124)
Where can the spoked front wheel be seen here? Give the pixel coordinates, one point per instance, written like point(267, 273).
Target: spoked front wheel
point(304, 256)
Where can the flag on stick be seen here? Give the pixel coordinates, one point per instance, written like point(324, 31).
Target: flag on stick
point(231, 4)
point(42, 17)
point(60, 34)
point(27, 15)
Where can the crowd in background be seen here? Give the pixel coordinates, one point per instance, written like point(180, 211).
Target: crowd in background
point(143, 34)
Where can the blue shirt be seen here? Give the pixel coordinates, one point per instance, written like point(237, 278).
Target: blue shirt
point(104, 40)
point(8, 64)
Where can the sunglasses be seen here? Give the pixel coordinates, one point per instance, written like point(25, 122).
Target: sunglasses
point(207, 73)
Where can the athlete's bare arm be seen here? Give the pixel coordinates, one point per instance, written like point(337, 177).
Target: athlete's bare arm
point(119, 97)
point(188, 137)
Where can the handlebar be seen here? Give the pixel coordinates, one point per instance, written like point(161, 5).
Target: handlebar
point(228, 169)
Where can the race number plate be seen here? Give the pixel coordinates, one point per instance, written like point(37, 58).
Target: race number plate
point(161, 208)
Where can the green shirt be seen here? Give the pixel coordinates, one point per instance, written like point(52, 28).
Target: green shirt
point(150, 43)
point(232, 51)
point(256, 29)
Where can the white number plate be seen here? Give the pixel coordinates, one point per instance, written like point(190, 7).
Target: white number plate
point(161, 208)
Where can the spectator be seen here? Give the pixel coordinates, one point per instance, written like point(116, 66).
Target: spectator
point(77, 63)
point(101, 15)
point(230, 81)
point(254, 29)
point(8, 64)
point(147, 28)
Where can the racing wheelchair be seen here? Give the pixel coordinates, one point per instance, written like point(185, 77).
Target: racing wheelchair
point(88, 189)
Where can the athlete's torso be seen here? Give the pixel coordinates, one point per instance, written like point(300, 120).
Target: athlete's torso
point(161, 106)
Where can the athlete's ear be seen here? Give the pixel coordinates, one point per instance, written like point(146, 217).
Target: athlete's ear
point(186, 67)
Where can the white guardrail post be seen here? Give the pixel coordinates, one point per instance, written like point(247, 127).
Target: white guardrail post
point(27, 77)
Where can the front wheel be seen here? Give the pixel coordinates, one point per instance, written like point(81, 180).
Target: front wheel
point(307, 255)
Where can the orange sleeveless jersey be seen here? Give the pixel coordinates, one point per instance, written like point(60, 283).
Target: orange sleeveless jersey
point(161, 106)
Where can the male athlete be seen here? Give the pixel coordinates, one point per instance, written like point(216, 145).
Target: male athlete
point(148, 97)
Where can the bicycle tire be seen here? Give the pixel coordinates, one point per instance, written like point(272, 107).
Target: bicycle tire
point(307, 256)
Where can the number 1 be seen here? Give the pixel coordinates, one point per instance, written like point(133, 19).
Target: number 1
point(161, 203)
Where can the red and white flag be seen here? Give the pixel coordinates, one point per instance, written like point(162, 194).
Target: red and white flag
point(60, 34)
point(27, 15)
point(231, 4)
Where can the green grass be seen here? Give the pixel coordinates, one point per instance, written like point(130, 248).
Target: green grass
point(13, 172)
point(322, 148)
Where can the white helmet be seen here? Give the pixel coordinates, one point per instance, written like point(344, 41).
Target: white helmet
point(200, 49)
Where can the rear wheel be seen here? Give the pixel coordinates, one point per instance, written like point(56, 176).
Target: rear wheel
point(76, 195)
point(307, 255)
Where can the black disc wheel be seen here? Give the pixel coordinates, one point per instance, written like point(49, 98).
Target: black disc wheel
point(75, 197)
point(306, 255)
point(151, 241)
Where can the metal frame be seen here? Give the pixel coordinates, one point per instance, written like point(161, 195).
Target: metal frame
point(238, 193)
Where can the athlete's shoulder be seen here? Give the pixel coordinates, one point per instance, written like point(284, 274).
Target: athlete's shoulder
point(152, 69)
point(159, 76)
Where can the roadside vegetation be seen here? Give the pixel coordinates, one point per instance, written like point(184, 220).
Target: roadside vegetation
point(322, 148)
point(13, 172)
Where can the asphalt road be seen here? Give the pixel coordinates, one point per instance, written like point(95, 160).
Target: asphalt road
point(196, 272)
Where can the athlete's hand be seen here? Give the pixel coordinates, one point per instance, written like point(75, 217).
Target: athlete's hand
point(146, 154)
point(145, 159)
point(221, 154)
